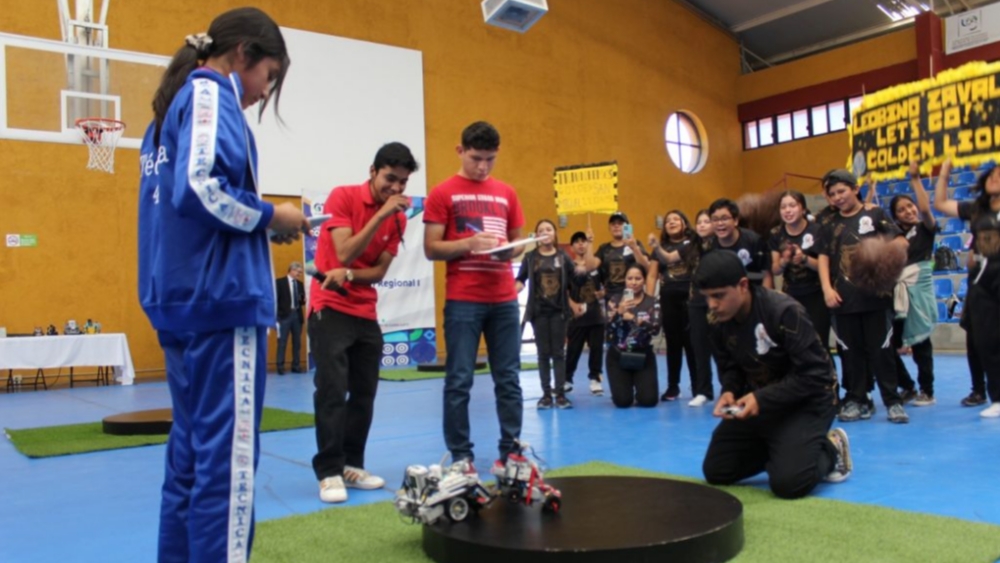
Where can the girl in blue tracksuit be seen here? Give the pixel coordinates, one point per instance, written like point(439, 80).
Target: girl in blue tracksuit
point(205, 277)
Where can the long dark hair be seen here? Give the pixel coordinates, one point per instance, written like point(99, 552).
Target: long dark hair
point(798, 197)
point(688, 232)
point(982, 197)
point(555, 231)
point(896, 199)
point(249, 27)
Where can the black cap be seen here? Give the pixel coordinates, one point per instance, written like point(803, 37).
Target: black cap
point(839, 175)
point(618, 216)
point(579, 235)
point(719, 268)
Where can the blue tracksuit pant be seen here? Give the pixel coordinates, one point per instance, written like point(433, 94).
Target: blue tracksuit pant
point(216, 382)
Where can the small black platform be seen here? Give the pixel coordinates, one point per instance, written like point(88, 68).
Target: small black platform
point(139, 423)
point(602, 519)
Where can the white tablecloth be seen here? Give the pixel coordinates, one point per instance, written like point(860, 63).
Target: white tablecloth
point(32, 352)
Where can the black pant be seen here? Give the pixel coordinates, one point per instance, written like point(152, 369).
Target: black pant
point(676, 329)
point(348, 353)
point(923, 355)
point(976, 372)
point(632, 387)
point(867, 347)
point(984, 325)
point(819, 314)
point(698, 322)
point(793, 449)
point(292, 324)
point(550, 339)
point(593, 337)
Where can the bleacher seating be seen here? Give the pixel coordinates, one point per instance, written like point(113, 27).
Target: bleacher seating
point(942, 312)
point(953, 242)
point(963, 288)
point(952, 225)
point(962, 179)
point(943, 288)
point(962, 193)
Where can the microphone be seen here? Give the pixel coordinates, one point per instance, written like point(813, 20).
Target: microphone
point(321, 277)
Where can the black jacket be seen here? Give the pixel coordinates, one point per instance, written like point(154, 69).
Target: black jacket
point(284, 298)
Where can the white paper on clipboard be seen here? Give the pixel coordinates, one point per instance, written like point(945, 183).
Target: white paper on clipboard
point(512, 245)
point(318, 220)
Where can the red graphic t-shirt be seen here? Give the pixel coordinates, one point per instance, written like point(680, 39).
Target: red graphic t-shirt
point(466, 207)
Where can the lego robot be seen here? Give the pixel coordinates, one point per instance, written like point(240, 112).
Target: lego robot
point(521, 480)
point(429, 494)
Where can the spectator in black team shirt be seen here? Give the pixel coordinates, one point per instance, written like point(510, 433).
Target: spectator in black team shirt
point(587, 324)
point(862, 319)
point(916, 314)
point(614, 257)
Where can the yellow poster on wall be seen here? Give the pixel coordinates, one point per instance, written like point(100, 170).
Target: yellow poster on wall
point(955, 114)
point(586, 188)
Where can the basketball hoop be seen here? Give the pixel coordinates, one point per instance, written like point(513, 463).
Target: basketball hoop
point(101, 137)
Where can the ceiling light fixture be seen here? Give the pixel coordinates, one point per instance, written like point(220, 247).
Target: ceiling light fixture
point(897, 10)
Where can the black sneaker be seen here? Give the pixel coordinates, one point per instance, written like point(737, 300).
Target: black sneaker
point(671, 394)
point(545, 402)
point(563, 403)
point(867, 410)
point(974, 400)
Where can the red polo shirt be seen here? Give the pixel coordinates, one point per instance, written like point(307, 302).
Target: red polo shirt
point(353, 206)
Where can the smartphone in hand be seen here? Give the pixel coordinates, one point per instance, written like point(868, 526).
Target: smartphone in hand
point(628, 295)
point(627, 230)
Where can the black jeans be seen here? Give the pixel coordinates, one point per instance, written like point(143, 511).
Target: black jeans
point(593, 337)
point(793, 449)
point(676, 329)
point(867, 348)
point(291, 325)
point(702, 350)
point(976, 372)
point(348, 353)
point(550, 339)
point(984, 306)
point(923, 356)
point(819, 314)
point(639, 387)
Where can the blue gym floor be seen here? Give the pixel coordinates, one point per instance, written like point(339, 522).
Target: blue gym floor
point(104, 506)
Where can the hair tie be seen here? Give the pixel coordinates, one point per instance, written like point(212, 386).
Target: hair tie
point(202, 43)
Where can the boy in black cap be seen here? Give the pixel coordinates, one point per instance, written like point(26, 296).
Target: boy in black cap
point(587, 323)
point(615, 257)
point(778, 386)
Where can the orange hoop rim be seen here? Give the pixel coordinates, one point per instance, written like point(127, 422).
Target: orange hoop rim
point(102, 123)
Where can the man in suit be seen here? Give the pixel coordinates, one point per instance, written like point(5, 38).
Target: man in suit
point(291, 295)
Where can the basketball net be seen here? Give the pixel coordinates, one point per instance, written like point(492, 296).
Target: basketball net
point(101, 137)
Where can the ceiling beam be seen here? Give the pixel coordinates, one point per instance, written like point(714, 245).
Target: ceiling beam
point(776, 15)
point(708, 18)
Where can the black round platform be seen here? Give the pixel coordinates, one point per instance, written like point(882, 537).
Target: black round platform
point(602, 519)
point(156, 421)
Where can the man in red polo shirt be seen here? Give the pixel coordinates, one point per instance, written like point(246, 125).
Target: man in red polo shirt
point(354, 250)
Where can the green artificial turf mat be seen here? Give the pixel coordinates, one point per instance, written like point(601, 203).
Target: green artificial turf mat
point(68, 439)
point(812, 530)
point(411, 374)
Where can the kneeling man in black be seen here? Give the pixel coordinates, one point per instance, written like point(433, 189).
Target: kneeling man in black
point(778, 386)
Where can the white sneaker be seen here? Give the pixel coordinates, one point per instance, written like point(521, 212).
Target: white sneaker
point(358, 478)
point(595, 387)
point(567, 387)
point(699, 400)
point(992, 411)
point(843, 465)
point(332, 490)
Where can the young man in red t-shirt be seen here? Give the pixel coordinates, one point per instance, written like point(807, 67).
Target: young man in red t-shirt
point(354, 250)
point(466, 216)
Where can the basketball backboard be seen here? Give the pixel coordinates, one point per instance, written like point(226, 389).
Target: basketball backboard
point(45, 86)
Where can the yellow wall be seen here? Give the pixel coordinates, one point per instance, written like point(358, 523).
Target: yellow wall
point(814, 157)
point(592, 81)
